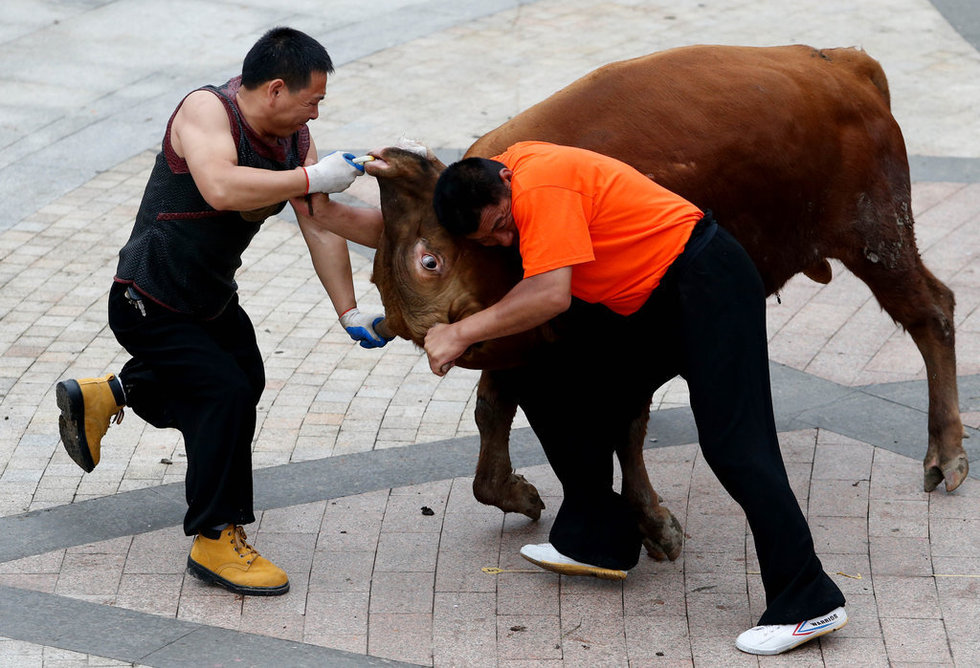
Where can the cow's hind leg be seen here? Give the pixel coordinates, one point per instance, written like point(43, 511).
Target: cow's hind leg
point(663, 536)
point(887, 259)
point(495, 482)
point(945, 458)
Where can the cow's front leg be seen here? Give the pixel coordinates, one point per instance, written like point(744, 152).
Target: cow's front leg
point(663, 536)
point(495, 483)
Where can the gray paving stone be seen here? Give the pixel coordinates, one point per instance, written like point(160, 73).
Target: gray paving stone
point(915, 640)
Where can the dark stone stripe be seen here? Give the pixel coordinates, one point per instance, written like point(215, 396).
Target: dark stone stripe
point(152, 640)
point(964, 16)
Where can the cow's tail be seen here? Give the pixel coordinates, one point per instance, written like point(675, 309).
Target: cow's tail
point(861, 64)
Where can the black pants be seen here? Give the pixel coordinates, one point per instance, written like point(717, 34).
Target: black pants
point(705, 322)
point(203, 377)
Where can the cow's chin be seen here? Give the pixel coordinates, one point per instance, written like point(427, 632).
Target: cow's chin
point(377, 167)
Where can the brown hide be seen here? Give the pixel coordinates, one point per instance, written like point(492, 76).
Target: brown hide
point(795, 151)
point(784, 145)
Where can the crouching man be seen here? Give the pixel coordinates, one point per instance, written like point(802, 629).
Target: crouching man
point(232, 156)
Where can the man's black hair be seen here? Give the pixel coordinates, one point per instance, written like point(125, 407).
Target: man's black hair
point(463, 190)
point(287, 54)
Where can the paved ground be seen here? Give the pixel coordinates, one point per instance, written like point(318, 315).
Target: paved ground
point(353, 443)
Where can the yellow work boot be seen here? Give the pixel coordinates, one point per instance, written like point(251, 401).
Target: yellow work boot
point(229, 562)
point(87, 406)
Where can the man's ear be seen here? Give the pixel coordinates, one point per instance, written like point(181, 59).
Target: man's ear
point(274, 88)
point(505, 175)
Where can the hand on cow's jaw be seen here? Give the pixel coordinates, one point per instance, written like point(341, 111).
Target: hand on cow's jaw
point(443, 345)
point(532, 302)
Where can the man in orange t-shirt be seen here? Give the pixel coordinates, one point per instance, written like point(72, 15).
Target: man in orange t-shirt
point(623, 260)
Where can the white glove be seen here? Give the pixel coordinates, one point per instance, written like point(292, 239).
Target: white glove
point(332, 174)
point(360, 326)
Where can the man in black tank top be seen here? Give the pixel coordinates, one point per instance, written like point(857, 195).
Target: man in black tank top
point(232, 155)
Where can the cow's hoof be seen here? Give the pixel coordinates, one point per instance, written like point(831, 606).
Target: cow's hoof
point(526, 498)
point(515, 495)
point(663, 536)
point(954, 471)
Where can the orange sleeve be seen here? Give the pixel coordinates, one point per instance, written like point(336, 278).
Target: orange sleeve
point(553, 229)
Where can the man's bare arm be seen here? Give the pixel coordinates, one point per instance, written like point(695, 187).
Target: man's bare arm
point(201, 134)
point(532, 302)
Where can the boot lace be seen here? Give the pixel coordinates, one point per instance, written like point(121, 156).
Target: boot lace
point(244, 550)
point(116, 417)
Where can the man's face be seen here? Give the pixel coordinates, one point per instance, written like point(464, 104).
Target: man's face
point(293, 110)
point(497, 226)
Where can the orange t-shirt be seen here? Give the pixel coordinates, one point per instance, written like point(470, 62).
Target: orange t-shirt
point(617, 229)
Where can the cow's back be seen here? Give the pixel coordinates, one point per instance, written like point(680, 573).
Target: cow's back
point(779, 142)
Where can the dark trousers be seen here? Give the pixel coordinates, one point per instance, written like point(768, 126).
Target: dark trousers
point(581, 403)
point(705, 322)
point(204, 378)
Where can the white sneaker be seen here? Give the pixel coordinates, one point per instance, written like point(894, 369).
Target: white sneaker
point(547, 557)
point(778, 638)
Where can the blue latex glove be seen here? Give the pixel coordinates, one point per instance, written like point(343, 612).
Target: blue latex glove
point(360, 326)
point(359, 166)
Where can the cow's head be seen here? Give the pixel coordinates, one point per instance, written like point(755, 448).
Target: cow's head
point(425, 275)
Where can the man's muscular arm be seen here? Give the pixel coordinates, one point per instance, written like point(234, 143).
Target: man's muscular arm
point(201, 134)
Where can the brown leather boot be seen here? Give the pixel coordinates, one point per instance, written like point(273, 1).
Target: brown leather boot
point(229, 562)
point(88, 406)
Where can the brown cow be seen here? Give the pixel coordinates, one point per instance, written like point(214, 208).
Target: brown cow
point(795, 151)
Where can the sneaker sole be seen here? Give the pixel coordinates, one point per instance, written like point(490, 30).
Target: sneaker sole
point(771, 652)
point(72, 404)
point(210, 577)
point(573, 569)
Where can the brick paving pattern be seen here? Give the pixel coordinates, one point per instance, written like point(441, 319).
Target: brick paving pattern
point(371, 575)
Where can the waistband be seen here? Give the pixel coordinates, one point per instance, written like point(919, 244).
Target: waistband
point(703, 232)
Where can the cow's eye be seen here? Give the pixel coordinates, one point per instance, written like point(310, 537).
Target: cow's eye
point(429, 262)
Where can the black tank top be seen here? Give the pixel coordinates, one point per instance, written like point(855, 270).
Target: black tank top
point(182, 253)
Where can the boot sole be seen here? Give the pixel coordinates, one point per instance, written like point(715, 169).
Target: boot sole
point(210, 577)
point(575, 569)
point(72, 404)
